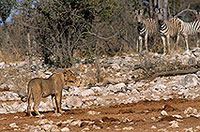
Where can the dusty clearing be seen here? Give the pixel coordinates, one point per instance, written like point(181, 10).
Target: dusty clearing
point(141, 116)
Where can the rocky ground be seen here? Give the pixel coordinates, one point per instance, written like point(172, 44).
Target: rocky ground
point(173, 115)
point(118, 103)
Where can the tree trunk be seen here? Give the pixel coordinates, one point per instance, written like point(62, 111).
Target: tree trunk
point(150, 8)
point(165, 7)
point(155, 3)
point(29, 52)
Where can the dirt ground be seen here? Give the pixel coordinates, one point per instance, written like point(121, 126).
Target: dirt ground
point(144, 116)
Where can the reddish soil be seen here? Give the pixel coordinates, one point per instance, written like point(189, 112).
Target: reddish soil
point(141, 116)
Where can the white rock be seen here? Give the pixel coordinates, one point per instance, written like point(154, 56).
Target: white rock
point(46, 106)
point(189, 130)
point(21, 64)
point(73, 101)
point(3, 111)
point(87, 92)
point(140, 84)
point(55, 129)
point(15, 105)
point(197, 115)
point(75, 91)
point(74, 123)
point(13, 125)
point(7, 95)
point(128, 128)
point(31, 128)
point(21, 107)
point(198, 127)
point(93, 113)
point(85, 129)
point(2, 86)
point(118, 87)
point(164, 113)
point(46, 127)
point(67, 122)
point(153, 118)
point(153, 127)
point(198, 74)
point(65, 129)
point(42, 122)
point(2, 64)
point(96, 89)
point(190, 112)
point(177, 116)
point(174, 124)
point(190, 80)
point(162, 130)
point(8, 108)
point(96, 127)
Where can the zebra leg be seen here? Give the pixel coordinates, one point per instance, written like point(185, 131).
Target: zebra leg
point(164, 45)
point(186, 42)
point(177, 40)
point(137, 46)
point(140, 39)
point(146, 39)
point(168, 44)
point(198, 41)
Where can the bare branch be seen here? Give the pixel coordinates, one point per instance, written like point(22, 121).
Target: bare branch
point(194, 11)
point(103, 38)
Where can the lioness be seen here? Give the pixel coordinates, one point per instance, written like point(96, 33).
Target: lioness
point(40, 88)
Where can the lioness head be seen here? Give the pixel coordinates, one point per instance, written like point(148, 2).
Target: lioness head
point(69, 76)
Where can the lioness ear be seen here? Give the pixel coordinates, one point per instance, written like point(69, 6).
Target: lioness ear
point(64, 72)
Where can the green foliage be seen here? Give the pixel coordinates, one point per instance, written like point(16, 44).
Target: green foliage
point(60, 25)
point(59, 28)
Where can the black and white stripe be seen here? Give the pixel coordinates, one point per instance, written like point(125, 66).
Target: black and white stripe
point(190, 28)
point(145, 27)
point(168, 28)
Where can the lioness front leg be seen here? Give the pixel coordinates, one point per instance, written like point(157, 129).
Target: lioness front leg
point(59, 100)
point(54, 104)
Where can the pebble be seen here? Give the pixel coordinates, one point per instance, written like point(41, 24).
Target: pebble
point(128, 128)
point(174, 124)
point(65, 129)
point(13, 125)
point(164, 113)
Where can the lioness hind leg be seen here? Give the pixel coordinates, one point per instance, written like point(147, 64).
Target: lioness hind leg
point(54, 104)
point(29, 106)
point(35, 107)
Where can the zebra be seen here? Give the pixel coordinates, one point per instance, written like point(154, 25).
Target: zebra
point(168, 28)
point(191, 28)
point(145, 27)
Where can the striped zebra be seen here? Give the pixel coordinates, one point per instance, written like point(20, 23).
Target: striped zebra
point(145, 27)
point(191, 28)
point(168, 28)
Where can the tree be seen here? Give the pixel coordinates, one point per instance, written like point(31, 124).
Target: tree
point(5, 9)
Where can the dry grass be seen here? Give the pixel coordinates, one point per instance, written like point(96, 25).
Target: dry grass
point(6, 56)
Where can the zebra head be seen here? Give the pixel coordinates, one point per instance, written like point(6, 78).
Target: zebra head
point(139, 17)
point(159, 15)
